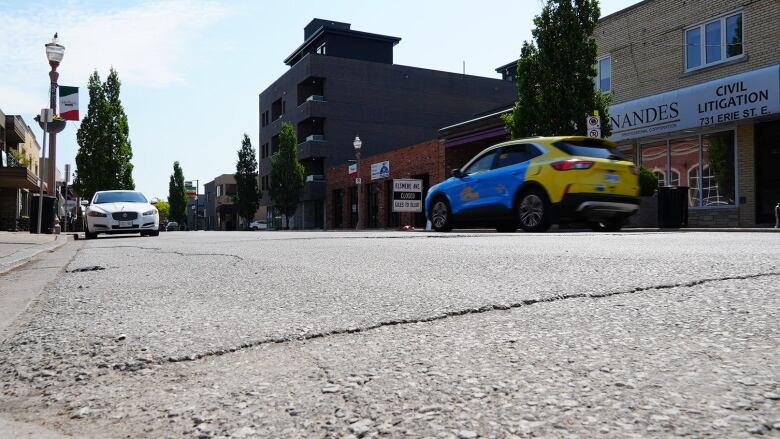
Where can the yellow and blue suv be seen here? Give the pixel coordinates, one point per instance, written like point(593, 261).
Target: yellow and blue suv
point(536, 182)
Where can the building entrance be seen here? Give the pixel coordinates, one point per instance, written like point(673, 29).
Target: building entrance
point(767, 171)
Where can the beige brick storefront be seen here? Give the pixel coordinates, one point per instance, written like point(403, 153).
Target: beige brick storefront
point(696, 98)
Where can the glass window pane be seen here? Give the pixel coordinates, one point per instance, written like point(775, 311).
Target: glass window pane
point(484, 163)
point(605, 74)
point(718, 183)
point(627, 149)
point(685, 161)
point(734, 35)
point(693, 48)
point(512, 155)
point(713, 41)
point(654, 158)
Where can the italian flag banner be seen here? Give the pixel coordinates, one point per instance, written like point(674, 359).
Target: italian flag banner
point(69, 102)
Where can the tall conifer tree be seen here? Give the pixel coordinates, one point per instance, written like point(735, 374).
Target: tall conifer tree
point(247, 196)
point(287, 173)
point(177, 196)
point(103, 158)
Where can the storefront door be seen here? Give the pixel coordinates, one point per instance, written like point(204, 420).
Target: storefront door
point(767, 171)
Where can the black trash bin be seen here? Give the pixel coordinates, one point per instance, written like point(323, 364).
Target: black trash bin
point(47, 219)
point(672, 207)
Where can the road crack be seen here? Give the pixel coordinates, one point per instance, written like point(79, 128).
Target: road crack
point(161, 251)
point(434, 318)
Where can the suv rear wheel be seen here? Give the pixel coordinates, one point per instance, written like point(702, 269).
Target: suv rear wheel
point(533, 211)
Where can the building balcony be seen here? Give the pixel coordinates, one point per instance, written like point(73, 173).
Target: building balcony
point(314, 188)
point(313, 106)
point(313, 148)
point(17, 176)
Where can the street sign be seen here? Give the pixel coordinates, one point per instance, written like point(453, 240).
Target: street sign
point(594, 126)
point(407, 195)
point(380, 170)
point(358, 180)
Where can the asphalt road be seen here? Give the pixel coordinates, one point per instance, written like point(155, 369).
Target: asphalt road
point(403, 334)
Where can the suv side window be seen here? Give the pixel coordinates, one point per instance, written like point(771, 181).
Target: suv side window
point(514, 154)
point(482, 164)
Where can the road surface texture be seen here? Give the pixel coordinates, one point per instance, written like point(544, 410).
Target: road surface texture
point(200, 334)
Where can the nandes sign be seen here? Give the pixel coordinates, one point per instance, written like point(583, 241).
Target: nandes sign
point(407, 195)
point(744, 96)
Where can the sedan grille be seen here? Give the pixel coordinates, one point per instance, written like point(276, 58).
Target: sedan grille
point(124, 216)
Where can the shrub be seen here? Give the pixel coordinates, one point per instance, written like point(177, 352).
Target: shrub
point(648, 182)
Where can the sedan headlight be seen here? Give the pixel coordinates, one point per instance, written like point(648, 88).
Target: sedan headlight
point(95, 213)
point(150, 212)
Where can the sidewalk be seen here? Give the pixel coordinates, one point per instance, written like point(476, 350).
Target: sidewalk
point(16, 248)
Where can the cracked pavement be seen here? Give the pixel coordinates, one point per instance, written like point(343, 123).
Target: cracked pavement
point(404, 334)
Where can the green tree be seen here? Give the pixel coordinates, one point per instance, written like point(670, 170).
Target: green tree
point(287, 173)
point(556, 91)
point(177, 196)
point(103, 158)
point(118, 134)
point(164, 209)
point(247, 196)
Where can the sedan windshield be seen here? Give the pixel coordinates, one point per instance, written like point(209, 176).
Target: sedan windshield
point(120, 197)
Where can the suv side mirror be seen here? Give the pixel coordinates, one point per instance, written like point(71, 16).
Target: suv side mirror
point(456, 173)
point(84, 203)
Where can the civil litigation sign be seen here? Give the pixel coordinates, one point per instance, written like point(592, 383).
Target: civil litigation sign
point(726, 100)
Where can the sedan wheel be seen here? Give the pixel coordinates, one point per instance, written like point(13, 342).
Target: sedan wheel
point(441, 216)
point(532, 212)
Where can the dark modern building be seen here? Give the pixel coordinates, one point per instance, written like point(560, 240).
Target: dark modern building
point(342, 83)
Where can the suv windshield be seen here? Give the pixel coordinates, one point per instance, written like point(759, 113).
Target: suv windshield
point(120, 197)
point(590, 148)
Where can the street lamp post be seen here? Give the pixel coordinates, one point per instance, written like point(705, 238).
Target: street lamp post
point(358, 144)
point(54, 53)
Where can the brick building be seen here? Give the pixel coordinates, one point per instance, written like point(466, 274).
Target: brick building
point(221, 213)
point(696, 98)
point(19, 167)
point(424, 161)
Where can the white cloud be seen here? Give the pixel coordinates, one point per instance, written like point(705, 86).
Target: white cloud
point(147, 43)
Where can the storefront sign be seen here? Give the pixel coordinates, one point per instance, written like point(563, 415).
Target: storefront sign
point(407, 195)
point(380, 170)
point(739, 97)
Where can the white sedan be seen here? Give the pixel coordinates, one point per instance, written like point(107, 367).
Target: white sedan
point(121, 212)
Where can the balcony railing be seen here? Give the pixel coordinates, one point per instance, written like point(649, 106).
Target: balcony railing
point(315, 138)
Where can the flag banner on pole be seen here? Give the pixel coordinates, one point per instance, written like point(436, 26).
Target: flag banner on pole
point(69, 102)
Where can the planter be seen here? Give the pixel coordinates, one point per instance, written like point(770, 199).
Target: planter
point(54, 127)
point(647, 217)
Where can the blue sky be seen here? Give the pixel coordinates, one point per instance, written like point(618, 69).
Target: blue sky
point(191, 71)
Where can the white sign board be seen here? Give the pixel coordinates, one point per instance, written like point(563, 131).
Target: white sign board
point(407, 195)
point(727, 100)
point(380, 170)
point(594, 122)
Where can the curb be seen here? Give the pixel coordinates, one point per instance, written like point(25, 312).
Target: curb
point(58, 242)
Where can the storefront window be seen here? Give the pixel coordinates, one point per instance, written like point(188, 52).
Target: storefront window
point(684, 158)
point(627, 149)
point(718, 182)
point(655, 158)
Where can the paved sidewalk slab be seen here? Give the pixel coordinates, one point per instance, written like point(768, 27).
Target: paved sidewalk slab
point(17, 248)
